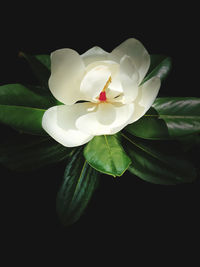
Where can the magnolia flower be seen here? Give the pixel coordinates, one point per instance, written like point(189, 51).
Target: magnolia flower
point(100, 92)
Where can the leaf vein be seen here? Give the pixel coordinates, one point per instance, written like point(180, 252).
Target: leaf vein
point(78, 182)
point(141, 148)
point(110, 152)
point(172, 117)
point(20, 107)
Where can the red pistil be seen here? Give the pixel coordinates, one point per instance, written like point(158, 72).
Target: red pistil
point(102, 96)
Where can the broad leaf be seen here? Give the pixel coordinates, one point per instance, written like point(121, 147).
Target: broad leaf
point(79, 183)
point(154, 163)
point(26, 153)
point(105, 154)
point(181, 114)
point(169, 117)
point(21, 95)
point(160, 67)
point(24, 119)
point(22, 109)
point(40, 65)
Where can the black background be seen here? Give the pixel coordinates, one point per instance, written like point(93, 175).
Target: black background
point(124, 209)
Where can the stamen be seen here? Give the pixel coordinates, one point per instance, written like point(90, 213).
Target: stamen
point(102, 96)
point(107, 84)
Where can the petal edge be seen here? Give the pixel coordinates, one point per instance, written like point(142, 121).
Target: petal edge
point(134, 49)
point(67, 70)
point(68, 135)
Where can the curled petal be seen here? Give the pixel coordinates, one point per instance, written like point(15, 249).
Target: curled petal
point(137, 52)
point(94, 54)
point(147, 94)
point(59, 123)
point(94, 81)
point(107, 119)
point(112, 69)
point(67, 70)
point(138, 113)
point(129, 79)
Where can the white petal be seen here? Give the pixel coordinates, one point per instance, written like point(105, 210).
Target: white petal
point(113, 95)
point(129, 79)
point(94, 54)
point(138, 54)
point(94, 81)
point(108, 119)
point(138, 113)
point(150, 90)
point(112, 65)
point(116, 85)
point(59, 123)
point(67, 70)
point(114, 69)
point(147, 94)
point(106, 114)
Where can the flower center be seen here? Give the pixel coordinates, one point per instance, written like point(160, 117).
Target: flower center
point(102, 96)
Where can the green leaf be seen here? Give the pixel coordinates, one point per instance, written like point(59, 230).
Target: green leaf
point(21, 95)
point(156, 163)
point(24, 119)
point(23, 152)
point(181, 114)
point(45, 60)
point(40, 65)
point(150, 126)
point(79, 183)
point(169, 118)
point(160, 66)
point(190, 141)
point(22, 109)
point(105, 154)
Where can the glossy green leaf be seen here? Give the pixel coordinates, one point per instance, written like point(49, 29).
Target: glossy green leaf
point(24, 119)
point(169, 117)
point(79, 183)
point(105, 154)
point(23, 152)
point(160, 66)
point(21, 95)
point(157, 163)
point(181, 114)
point(40, 65)
point(22, 109)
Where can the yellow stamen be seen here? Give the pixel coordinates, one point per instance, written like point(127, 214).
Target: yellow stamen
point(107, 84)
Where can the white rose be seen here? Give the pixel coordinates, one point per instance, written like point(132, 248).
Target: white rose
point(109, 85)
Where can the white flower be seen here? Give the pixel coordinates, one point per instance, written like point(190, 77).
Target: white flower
point(108, 86)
